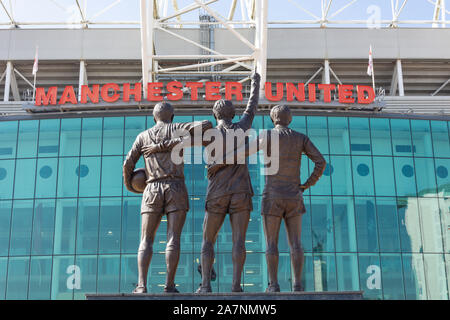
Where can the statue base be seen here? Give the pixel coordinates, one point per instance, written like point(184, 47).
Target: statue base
point(350, 295)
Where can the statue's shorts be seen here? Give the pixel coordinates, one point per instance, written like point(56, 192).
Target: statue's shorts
point(231, 203)
point(163, 197)
point(283, 208)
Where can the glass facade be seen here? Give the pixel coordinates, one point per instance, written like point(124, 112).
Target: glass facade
point(377, 221)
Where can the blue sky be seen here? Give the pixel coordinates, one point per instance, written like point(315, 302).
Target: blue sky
point(128, 10)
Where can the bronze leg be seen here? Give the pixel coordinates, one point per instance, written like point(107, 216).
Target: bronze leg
point(150, 223)
point(239, 225)
point(294, 229)
point(211, 226)
point(175, 223)
point(271, 226)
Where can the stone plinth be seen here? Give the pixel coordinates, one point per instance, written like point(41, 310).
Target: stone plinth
point(351, 295)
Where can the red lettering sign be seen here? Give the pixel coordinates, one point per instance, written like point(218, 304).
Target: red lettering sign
point(174, 91)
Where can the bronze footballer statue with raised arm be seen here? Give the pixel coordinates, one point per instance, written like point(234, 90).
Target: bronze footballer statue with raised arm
point(283, 192)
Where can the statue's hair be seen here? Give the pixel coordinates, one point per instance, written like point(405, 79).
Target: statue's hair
point(224, 109)
point(281, 114)
point(163, 111)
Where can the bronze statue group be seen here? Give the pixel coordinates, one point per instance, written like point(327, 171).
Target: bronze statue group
point(229, 191)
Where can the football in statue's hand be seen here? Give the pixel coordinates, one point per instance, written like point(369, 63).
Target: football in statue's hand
point(138, 179)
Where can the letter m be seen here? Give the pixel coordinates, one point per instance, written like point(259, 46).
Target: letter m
point(45, 99)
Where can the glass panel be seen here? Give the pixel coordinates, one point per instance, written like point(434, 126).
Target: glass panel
point(113, 136)
point(413, 269)
point(21, 227)
point(254, 240)
point(199, 180)
point(323, 186)
point(112, 180)
point(66, 276)
point(65, 226)
point(70, 137)
point(347, 272)
point(401, 137)
point(381, 137)
point(341, 177)
point(8, 141)
point(410, 235)
point(388, 228)
point(307, 238)
point(46, 178)
point(110, 211)
point(318, 133)
point(253, 273)
point(131, 222)
point(435, 276)
point(404, 177)
point(3, 268)
point(133, 126)
point(184, 277)
point(43, 227)
point(366, 225)
point(360, 136)
point(6, 178)
point(89, 172)
point(447, 263)
point(441, 143)
point(91, 136)
point(322, 224)
point(5, 219)
point(344, 224)
point(88, 271)
point(156, 273)
point(442, 170)
point(87, 226)
point(40, 278)
point(198, 210)
point(298, 124)
point(339, 135)
point(370, 276)
point(17, 285)
point(25, 179)
point(27, 143)
point(308, 273)
point(392, 277)
point(421, 135)
point(426, 181)
point(363, 176)
point(325, 272)
point(304, 172)
point(128, 272)
point(49, 138)
point(444, 204)
point(384, 176)
point(108, 279)
point(67, 177)
point(430, 225)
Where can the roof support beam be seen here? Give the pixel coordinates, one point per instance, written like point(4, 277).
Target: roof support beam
point(147, 30)
point(83, 79)
point(394, 82)
point(441, 87)
point(10, 83)
point(261, 13)
point(9, 71)
point(15, 87)
point(13, 23)
point(401, 89)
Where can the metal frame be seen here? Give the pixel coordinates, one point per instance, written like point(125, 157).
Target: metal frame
point(153, 18)
point(325, 18)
